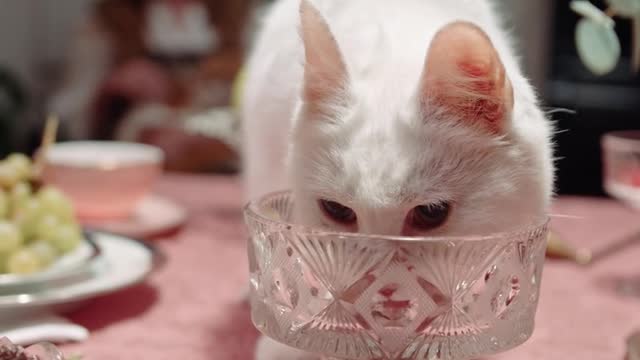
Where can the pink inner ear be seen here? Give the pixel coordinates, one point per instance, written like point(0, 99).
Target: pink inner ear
point(480, 98)
point(325, 70)
point(464, 75)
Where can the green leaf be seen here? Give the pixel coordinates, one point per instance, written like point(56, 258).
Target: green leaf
point(598, 46)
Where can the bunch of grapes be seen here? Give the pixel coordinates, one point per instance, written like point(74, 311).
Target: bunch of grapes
point(37, 224)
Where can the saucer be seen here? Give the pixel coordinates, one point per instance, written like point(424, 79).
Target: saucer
point(124, 262)
point(154, 215)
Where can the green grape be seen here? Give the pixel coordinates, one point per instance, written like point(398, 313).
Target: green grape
point(21, 164)
point(28, 216)
point(55, 202)
point(24, 261)
point(8, 175)
point(46, 225)
point(4, 204)
point(10, 237)
point(65, 238)
point(3, 263)
point(45, 252)
point(19, 195)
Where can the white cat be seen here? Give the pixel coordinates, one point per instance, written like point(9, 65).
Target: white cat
point(394, 117)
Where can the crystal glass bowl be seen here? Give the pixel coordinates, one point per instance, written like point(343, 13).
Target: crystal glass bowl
point(357, 296)
point(621, 159)
point(39, 351)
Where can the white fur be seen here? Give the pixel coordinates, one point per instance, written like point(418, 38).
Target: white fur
point(380, 156)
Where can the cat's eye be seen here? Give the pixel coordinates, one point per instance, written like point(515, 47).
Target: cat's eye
point(337, 212)
point(431, 216)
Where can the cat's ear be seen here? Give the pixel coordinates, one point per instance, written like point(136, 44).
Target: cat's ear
point(464, 75)
point(325, 72)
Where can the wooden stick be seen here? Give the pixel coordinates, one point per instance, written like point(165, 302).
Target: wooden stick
point(48, 138)
point(557, 247)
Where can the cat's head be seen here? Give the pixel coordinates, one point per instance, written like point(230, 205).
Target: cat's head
point(440, 158)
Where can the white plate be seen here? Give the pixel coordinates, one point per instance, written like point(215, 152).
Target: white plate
point(123, 262)
point(74, 262)
point(154, 216)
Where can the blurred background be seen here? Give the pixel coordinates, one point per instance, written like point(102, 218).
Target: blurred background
point(163, 72)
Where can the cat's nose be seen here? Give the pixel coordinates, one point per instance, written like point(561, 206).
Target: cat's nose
point(381, 224)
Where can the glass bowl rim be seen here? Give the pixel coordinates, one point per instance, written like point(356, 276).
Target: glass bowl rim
point(251, 211)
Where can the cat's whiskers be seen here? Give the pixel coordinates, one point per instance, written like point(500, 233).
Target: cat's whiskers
point(560, 110)
point(566, 216)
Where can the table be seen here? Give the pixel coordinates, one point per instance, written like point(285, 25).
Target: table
point(191, 308)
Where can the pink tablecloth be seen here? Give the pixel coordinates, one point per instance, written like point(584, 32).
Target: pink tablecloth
point(190, 309)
